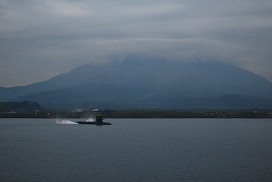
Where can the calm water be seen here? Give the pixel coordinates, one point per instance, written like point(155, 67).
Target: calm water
point(136, 150)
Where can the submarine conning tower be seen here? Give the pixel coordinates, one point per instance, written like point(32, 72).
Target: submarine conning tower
point(99, 119)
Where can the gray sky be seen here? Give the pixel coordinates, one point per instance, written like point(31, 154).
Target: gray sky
point(43, 38)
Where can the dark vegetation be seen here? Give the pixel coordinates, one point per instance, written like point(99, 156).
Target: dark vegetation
point(19, 107)
point(143, 114)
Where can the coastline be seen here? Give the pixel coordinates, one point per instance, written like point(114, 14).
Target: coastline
point(145, 114)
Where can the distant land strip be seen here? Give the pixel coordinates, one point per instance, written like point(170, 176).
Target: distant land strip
point(142, 114)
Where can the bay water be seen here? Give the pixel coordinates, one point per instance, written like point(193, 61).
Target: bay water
point(54, 150)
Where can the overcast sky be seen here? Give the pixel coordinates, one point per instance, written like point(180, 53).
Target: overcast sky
point(43, 38)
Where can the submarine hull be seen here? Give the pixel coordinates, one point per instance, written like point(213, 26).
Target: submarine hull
point(98, 121)
point(94, 123)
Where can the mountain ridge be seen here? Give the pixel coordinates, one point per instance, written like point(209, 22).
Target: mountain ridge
point(139, 82)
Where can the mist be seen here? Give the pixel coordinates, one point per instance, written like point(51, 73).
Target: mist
point(41, 39)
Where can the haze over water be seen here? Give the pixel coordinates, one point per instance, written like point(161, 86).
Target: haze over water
point(136, 150)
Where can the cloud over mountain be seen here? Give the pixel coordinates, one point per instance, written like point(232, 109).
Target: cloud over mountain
point(55, 36)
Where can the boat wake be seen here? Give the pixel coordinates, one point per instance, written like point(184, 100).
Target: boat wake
point(90, 120)
point(65, 121)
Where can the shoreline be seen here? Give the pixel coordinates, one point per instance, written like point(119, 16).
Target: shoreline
point(145, 114)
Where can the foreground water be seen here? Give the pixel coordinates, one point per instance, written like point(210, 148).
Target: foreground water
point(136, 150)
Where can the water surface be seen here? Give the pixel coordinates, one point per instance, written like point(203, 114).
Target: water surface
point(136, 150)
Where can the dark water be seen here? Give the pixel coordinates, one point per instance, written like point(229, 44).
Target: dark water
point(136, 150)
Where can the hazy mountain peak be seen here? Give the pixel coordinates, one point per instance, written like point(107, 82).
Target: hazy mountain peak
point(160, 82)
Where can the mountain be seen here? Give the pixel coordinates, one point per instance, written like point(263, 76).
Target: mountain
point(21, 107)
point(149, 83)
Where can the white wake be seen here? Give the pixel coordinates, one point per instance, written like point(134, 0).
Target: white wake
point(65, 121)
point(90, 120)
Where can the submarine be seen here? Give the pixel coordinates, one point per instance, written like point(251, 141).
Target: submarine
point(98, 121)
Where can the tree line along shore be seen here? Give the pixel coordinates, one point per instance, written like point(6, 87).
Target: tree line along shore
point(29, 109)
point(140, 113)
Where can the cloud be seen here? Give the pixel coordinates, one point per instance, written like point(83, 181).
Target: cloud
point(56, 36)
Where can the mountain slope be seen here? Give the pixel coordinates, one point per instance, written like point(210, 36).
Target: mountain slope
point(139, 82)
point(20, 107)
